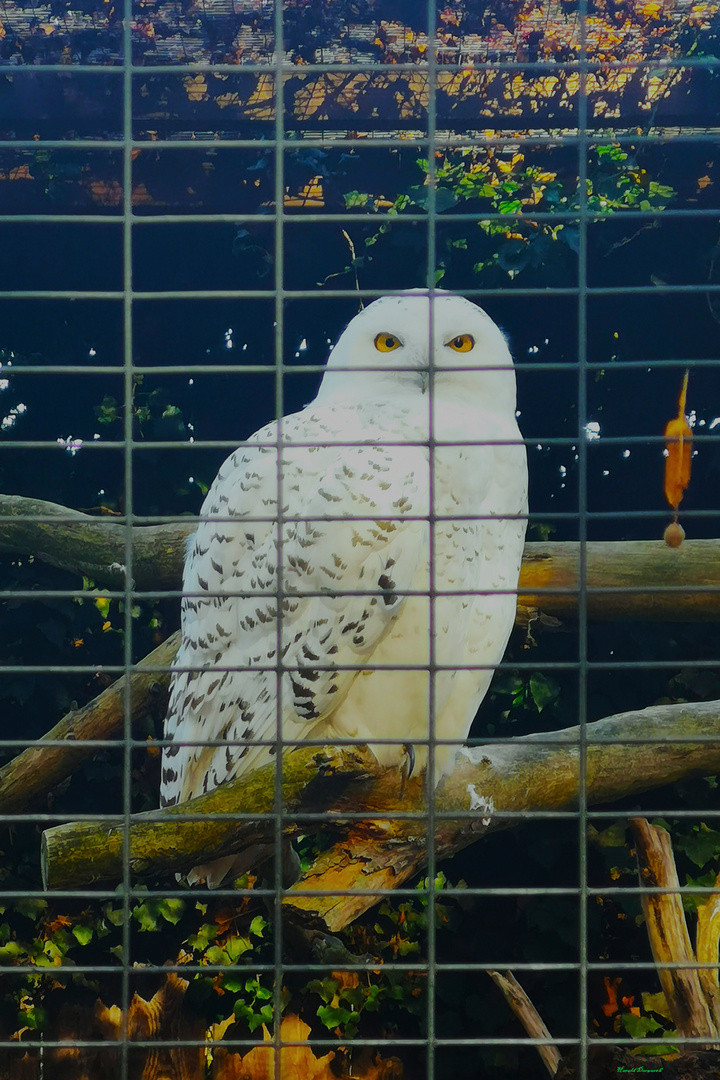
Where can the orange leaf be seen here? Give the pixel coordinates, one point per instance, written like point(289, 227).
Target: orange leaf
point(57, 923)
point(679, 452)
point(259, 1063)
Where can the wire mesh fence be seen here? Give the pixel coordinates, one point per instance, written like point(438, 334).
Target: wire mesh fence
point(194, 205)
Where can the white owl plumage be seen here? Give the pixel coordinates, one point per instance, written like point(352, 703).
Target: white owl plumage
point(393, 562)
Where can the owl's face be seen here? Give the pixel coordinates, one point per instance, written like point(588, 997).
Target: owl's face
point(399, 340)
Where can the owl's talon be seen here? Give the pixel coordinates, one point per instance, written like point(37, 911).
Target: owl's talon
point(407, 767)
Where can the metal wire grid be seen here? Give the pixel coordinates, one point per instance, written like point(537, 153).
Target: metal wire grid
point(279, 294)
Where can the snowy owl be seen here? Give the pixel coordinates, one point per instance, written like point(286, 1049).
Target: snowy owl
point(365, 582)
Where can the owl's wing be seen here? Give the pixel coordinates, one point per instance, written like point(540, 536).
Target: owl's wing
point(342, 584)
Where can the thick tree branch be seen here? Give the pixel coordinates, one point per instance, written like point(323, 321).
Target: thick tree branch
point(93, 546)
point(628, 579)
point(625, 754)
point(639, 579)
point(232, 816)
point(493, 787)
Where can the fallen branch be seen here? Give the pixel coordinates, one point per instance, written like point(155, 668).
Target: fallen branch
point(42, 766)
point(625, 754)
point(638, 579)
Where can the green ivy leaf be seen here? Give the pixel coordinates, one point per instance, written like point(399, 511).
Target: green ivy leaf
point(656, 1050)
point(258, 925)
point(172, 910)
point(11, 952)
point(107, 412)
point(113, 915)
point(204, 936)
point(334, 1016)
point(235, 947)
point(34, 1018)
point(30, 907)
point(701, 845)
point(543, 690)
point(355, 199)
point(215, 955)
point(326, 988)
point(638, 1027)
point(83, 934)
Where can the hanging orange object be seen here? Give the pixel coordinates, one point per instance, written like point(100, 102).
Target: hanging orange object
point(679, 452)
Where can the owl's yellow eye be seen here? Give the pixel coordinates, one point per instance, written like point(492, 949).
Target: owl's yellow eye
point(387, 342)
point(462, 343)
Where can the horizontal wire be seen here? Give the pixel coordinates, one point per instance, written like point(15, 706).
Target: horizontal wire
point(515, 665)
point(365, 444)
point(289, 68)
point(350, 294)
point(373, 965)
point(356, 1041)
point(555, 137)
point(332, 818)
point(521, 366)
point(336, 594)
point(489, 892)
point(542, 516)
point(549, 592)
point(476, 743)
point(353, 218)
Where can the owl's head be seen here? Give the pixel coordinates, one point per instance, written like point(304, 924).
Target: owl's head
point(396, 342)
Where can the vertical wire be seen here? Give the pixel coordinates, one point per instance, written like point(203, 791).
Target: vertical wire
point(582, 538)
point(431, 731)
point(128, 495)
point(279, 282)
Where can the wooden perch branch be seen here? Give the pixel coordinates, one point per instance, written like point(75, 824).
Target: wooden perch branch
point(516, 777)
point(226, 819)
point(624, 579)
point(623, 571)
point(41, 767)
point(93, 546)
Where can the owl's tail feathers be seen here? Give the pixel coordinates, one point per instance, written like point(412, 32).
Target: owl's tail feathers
point(259, 859)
